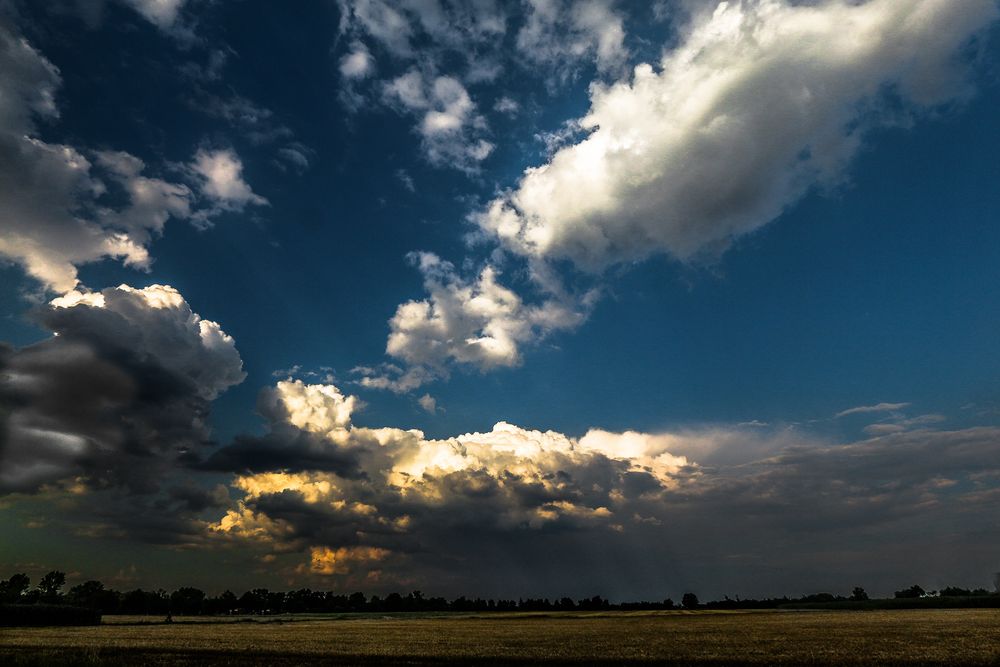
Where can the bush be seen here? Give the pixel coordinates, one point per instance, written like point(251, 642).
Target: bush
point(15, 615)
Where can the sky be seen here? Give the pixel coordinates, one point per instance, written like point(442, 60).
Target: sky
point(521, 298)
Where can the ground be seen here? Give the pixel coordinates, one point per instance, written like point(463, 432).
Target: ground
point(912, 637)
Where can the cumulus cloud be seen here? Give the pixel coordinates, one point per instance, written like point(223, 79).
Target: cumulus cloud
point(402, 486)
point(118, 394)
point(760, 102)
point(677, 506)
point(62, 206)
point(475, 322)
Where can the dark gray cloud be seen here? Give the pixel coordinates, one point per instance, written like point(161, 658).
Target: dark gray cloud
point(117, 397)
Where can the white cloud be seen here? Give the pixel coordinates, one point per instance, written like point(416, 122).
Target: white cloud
point(428, 403)
point(383, 21)
point(450, 127)
point(477, 323)
point(457, 26)
point(507, 105)
point(161, 13)
point(52, 212)
point(358, 63)
point(62, 206)
point(560, 34)
point(221, 173)
point(900, 424)
point(879, 407)
point(316, 408)
point(429, 37)
point(760, 102)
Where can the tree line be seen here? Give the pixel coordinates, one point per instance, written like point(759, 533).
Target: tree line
point(189, 601)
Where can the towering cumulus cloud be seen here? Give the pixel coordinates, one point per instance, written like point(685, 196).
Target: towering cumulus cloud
point(761, 101)
point(320, 484)
point(118, 396)
point(320, 496)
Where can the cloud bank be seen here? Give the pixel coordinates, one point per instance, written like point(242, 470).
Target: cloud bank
point(514, 507)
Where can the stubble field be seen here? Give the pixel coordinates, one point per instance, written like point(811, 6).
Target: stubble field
point(913, 637)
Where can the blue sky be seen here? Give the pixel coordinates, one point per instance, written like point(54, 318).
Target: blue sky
point(766, 253)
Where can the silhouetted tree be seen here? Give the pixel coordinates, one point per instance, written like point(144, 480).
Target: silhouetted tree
point(913, 591)
point(50, 585)
point(689, 601)
point(227, 603)
point(15, 587)
point(187, 601)
point(93, 595)
point(356, 602)
point(143, 602)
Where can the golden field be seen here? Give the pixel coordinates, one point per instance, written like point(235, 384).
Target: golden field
point(915, 637)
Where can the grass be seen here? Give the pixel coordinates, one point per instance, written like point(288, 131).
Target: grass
point(913, 637)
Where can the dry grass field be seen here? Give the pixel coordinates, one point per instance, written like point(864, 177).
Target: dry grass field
point(912, 637)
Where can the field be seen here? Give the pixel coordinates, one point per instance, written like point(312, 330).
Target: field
point(924, 637)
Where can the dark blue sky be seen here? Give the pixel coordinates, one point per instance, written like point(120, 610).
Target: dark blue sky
point(813, 289)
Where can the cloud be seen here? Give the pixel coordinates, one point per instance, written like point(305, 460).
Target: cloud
point(62, 206)
point(117, 396)
point(358, 63)
point(161, 13)
point(428, 403)
point(221, 175)
point(326, 561)
point(867, 409)
point(427, 38)
point(477, 323)
point(507, 105)
point(451, 130)
point(759, 103)
point(404, 488)
point(255, 122)
point(560, 34)
point(900, 423)
point(460, 27)
point(677, 505)
point(258, 124)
